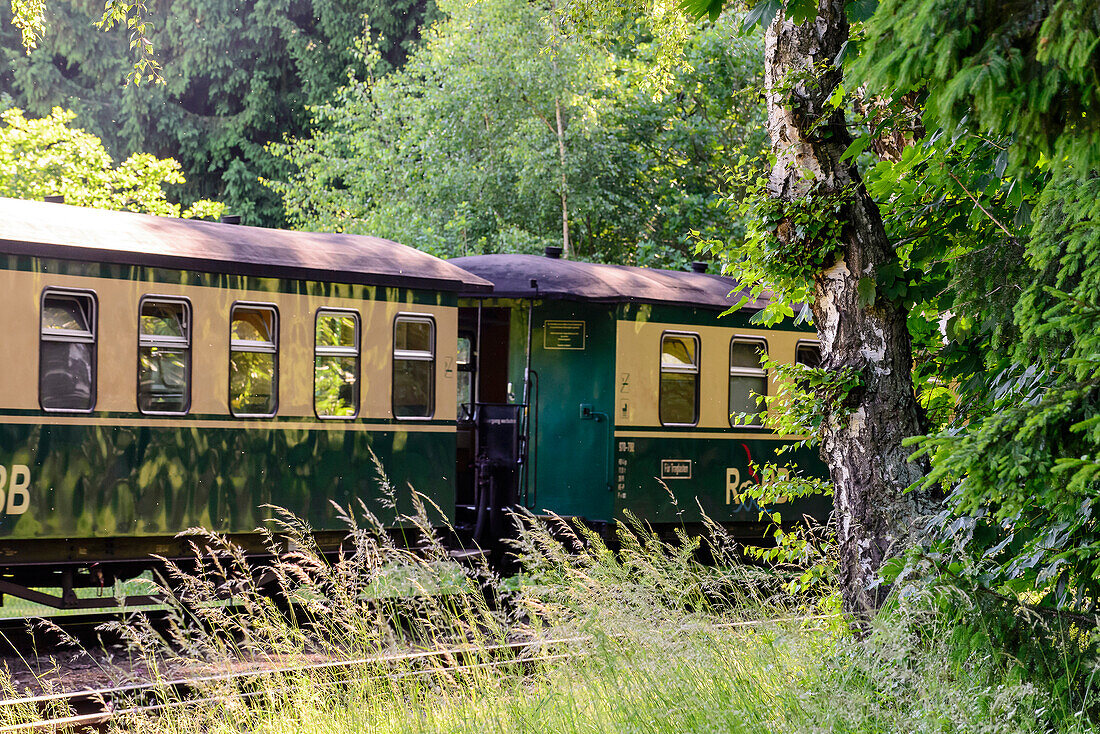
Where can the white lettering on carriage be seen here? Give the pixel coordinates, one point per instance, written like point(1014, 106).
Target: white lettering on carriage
point(734, 487)
point(19, 495)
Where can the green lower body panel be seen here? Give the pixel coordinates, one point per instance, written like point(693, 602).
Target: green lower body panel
point(109, 481)
point(675, 479)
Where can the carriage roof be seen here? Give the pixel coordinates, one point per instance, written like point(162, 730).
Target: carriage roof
point(41, 229)
point(558, 279)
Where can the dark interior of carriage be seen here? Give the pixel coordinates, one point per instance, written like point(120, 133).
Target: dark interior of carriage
point(491, 445)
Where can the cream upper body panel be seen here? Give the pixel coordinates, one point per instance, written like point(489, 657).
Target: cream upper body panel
point(117, 344)
point(638, 369)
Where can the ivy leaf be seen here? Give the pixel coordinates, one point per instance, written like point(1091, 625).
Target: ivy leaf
point(865, 292)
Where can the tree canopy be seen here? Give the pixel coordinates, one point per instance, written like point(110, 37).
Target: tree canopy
point(457, 152)
point(235, 77)
point(47, 157)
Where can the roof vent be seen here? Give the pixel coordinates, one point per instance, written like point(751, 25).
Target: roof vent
point(230, 219)
point(55, 199)
point(553, 252)
point(699, 267)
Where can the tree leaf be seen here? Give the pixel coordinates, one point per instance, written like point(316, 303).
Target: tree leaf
point(802, 11)
point(856, 148)
point(865, 292)
point(861, 10)
point(699, 8)
point(763, 12)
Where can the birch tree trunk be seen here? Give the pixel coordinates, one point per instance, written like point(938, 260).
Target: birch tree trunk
point(566, 249)
point(862, 443)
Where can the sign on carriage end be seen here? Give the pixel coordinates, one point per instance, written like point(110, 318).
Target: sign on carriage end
point(675, 468)
point(563, 335)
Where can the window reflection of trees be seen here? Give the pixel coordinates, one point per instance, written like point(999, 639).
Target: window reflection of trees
point(413, 367)
point(336, 365)
point(465, 375)
point(252, 383)
point(164, 357)
point(253, 361)
point(679, 388)
point(748, 379)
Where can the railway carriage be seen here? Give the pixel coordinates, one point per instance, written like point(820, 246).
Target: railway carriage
point(629, 379)
point(162, 374)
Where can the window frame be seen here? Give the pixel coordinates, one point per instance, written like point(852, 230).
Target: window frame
point(330, 351)
point(807, 343)
point(76, 294)
point(189, 312)
point(257, 306)
point(747, 372)
point(662, 369)
point(467, 368)
point(411, 355)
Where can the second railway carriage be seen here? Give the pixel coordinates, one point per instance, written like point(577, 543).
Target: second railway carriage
point(161, 374)
point(621, 382)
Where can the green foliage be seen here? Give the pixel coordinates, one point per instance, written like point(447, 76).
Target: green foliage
point(1023, 469)
point(799, 407)
point(749, 259)
point(787, 241)
point(803, 545)
point(992, 206)
point(642, 639)
point(1029, 70)
point(811, 227)
point(132, 15)
point(998, 230)
point(29, 17)
point(235, 76)
point(46, 157)
point(457, 153)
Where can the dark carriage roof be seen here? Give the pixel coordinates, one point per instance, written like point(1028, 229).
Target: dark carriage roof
point(96, 235)
point(580, 281)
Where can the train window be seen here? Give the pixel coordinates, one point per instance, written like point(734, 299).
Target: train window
point(253, 360)
point(748, 378)
point(67, 351)
point(336, 364)
point(413, 366)
point(465, 374)
point(808, 353)
point(164, 355)
point(679, 398)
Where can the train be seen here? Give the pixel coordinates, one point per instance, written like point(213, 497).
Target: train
point(167, 374)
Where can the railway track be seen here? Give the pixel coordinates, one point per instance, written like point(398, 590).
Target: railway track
point(94, 709)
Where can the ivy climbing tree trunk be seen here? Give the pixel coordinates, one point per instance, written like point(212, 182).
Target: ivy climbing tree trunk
point(862, 442)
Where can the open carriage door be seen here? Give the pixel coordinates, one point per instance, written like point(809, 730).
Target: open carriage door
point(493, 423)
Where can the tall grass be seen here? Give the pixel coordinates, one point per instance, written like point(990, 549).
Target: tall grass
point(660, 643)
